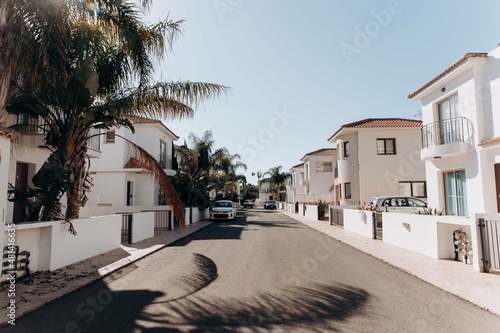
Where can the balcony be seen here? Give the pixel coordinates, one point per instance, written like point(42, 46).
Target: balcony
point(450, 137)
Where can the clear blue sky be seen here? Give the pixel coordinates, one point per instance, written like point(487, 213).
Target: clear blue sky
point(298, 70)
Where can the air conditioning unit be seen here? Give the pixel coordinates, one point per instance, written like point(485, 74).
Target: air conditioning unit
point(303, 182)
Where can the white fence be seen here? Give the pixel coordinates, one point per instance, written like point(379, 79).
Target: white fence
point(359, 221)
point(311, 211)
point(426, 234)
point(51, 246)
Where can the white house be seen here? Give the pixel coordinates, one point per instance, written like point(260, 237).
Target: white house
point(27, 155)
point(461, 135)
point(265, 191)
point(115, 184)
point(379, 156)
point(294, 183)
point(319, 176)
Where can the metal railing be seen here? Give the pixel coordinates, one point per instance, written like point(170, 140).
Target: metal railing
point(165, 161)
point(447, 131)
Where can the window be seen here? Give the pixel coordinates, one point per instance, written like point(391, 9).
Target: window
point(386, 146)
point(163, 155)
point(110, 136)
point(324, 167)
point(455, 193)
point(413, 189)
point(450, 129)
point(94, 140)
point(34, 125)
point(340, 191)
point(346, 149)
point(347, 190)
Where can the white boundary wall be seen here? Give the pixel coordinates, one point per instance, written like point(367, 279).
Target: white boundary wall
point(359, 222)
point(51, 246)
point(312, 212)
point(428, 234)
point(143, 226)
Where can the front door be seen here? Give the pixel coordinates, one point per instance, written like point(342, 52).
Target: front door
point(22, 185)
point(497, 182)
point(130, 193)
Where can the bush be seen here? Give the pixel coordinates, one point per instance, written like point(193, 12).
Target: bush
point(322, 207)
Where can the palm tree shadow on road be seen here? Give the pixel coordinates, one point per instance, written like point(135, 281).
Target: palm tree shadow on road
point(315, 308)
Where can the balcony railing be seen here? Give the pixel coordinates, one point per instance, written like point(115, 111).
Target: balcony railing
point(165, 161)
point(448, 131)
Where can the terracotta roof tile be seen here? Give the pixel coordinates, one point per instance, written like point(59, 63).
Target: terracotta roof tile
point(380, 123)
point(489, 141)
point(301, 165)
point(447, 71)
point(322, 152)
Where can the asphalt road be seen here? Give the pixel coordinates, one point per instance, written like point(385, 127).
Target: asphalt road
point(263, 272)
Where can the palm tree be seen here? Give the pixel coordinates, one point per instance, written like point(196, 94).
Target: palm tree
point(204, 146)
point(190, 179)
point(277, 179)
point(77, 68)
point(226, 166)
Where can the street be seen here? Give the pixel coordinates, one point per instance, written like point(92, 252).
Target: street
point(263, 272)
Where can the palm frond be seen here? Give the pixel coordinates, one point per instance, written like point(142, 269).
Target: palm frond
point(143, 160)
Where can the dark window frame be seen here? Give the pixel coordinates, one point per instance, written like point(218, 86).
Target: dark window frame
point(346, 148)
point(348, 194)
point(385, 140)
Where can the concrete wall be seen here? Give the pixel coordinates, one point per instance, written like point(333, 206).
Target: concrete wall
point(311, 212)
point(51, 246)
point(143, 226)
point(359, 222)
point(428, 234)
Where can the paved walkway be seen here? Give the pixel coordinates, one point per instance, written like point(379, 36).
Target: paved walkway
point(49, 286)
point(454, 277)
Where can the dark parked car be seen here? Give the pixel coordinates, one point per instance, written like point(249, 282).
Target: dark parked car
point(270, 204)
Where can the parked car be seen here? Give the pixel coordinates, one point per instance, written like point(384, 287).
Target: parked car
point(269, 204)
point(222, 209)
point(248, 204)
point(397, 203)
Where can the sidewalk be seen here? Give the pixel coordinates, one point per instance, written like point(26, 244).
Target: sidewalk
point(49, 286)
point(454, 277)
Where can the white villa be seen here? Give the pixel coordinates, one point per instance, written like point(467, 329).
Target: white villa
point(115, 184)
point(378, 156)
point(319, 174)
point(461, 135)
point(293, 183)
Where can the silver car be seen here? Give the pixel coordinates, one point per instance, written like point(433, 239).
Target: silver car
point(397, 203)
